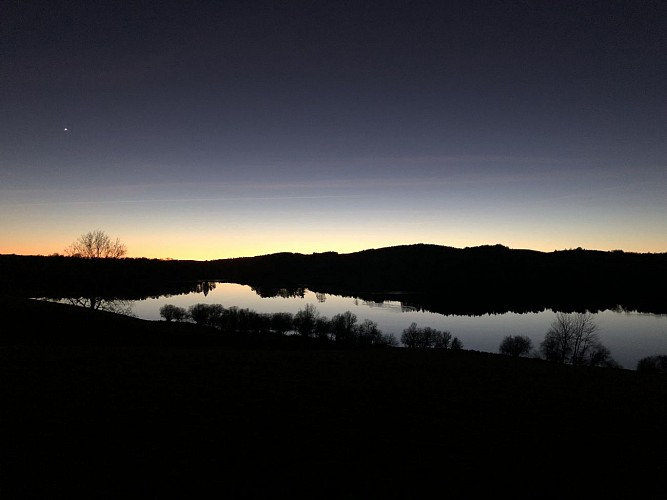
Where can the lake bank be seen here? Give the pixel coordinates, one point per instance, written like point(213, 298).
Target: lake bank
point(104, 418)
point(628, 335)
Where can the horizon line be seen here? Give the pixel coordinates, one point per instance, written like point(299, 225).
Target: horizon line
point(488, 245)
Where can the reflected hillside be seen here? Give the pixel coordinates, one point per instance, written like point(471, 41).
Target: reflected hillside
point(91, 282)
point(470, 281)
point(286, 293)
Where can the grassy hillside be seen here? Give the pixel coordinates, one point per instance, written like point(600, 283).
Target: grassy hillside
point(101, 406)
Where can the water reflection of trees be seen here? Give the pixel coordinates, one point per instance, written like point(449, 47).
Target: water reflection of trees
point(443, 301)
point(449, 303)
point(120, 299)
point(472, 281)
point(204, 287)
point(268, 292)
point(117, 297)
point(118, 306)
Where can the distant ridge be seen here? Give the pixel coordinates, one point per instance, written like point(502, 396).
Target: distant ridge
point(391, 248)
point(483, 278)
point(487, 278)
point(441, 248)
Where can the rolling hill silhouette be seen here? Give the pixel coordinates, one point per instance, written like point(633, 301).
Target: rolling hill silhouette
point(473, 280)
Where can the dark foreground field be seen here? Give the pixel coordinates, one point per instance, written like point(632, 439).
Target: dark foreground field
point(97, 405)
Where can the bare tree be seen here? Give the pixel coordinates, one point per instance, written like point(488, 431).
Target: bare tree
point(368, 333)
point(585, 341)
point(441, 340)
point(343, 326)
point(653, 364)
point(412, 336)
point(305, 320)
point(557, 343)
point(118, 306)
point(96, 245)
point(573, 338)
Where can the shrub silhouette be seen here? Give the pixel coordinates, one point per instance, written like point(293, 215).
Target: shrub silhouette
point(343, 326)
point(282, 322)
point(653, 364)
point(518, 345)
point(206, 314)
point(171, 312)
point(413, 336)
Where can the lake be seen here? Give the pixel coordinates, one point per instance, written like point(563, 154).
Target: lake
point(629, 336)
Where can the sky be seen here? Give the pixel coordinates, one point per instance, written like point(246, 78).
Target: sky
point(214, 129)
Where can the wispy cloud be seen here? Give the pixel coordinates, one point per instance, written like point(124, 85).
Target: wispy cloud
point(167, 200)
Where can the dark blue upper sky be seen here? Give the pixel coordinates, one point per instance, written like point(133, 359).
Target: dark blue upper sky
point(456, 110)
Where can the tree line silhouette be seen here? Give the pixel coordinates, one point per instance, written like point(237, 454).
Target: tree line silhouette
point(342, 329)
point(570, 339)
point(473, 281)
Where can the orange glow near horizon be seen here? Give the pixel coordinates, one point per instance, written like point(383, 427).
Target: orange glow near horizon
point(256, 152)
point(202, 248)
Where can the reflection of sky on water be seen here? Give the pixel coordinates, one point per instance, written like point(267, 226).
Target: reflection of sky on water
point(629, 336)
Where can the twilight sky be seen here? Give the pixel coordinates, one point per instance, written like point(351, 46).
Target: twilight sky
point(213, 129)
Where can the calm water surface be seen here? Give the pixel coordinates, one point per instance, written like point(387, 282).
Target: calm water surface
point(629, 336)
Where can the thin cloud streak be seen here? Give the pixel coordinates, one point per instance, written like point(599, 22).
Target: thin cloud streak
point(174, 200)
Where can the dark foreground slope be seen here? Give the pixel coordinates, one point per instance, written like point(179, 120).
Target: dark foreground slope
point(103, 406)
